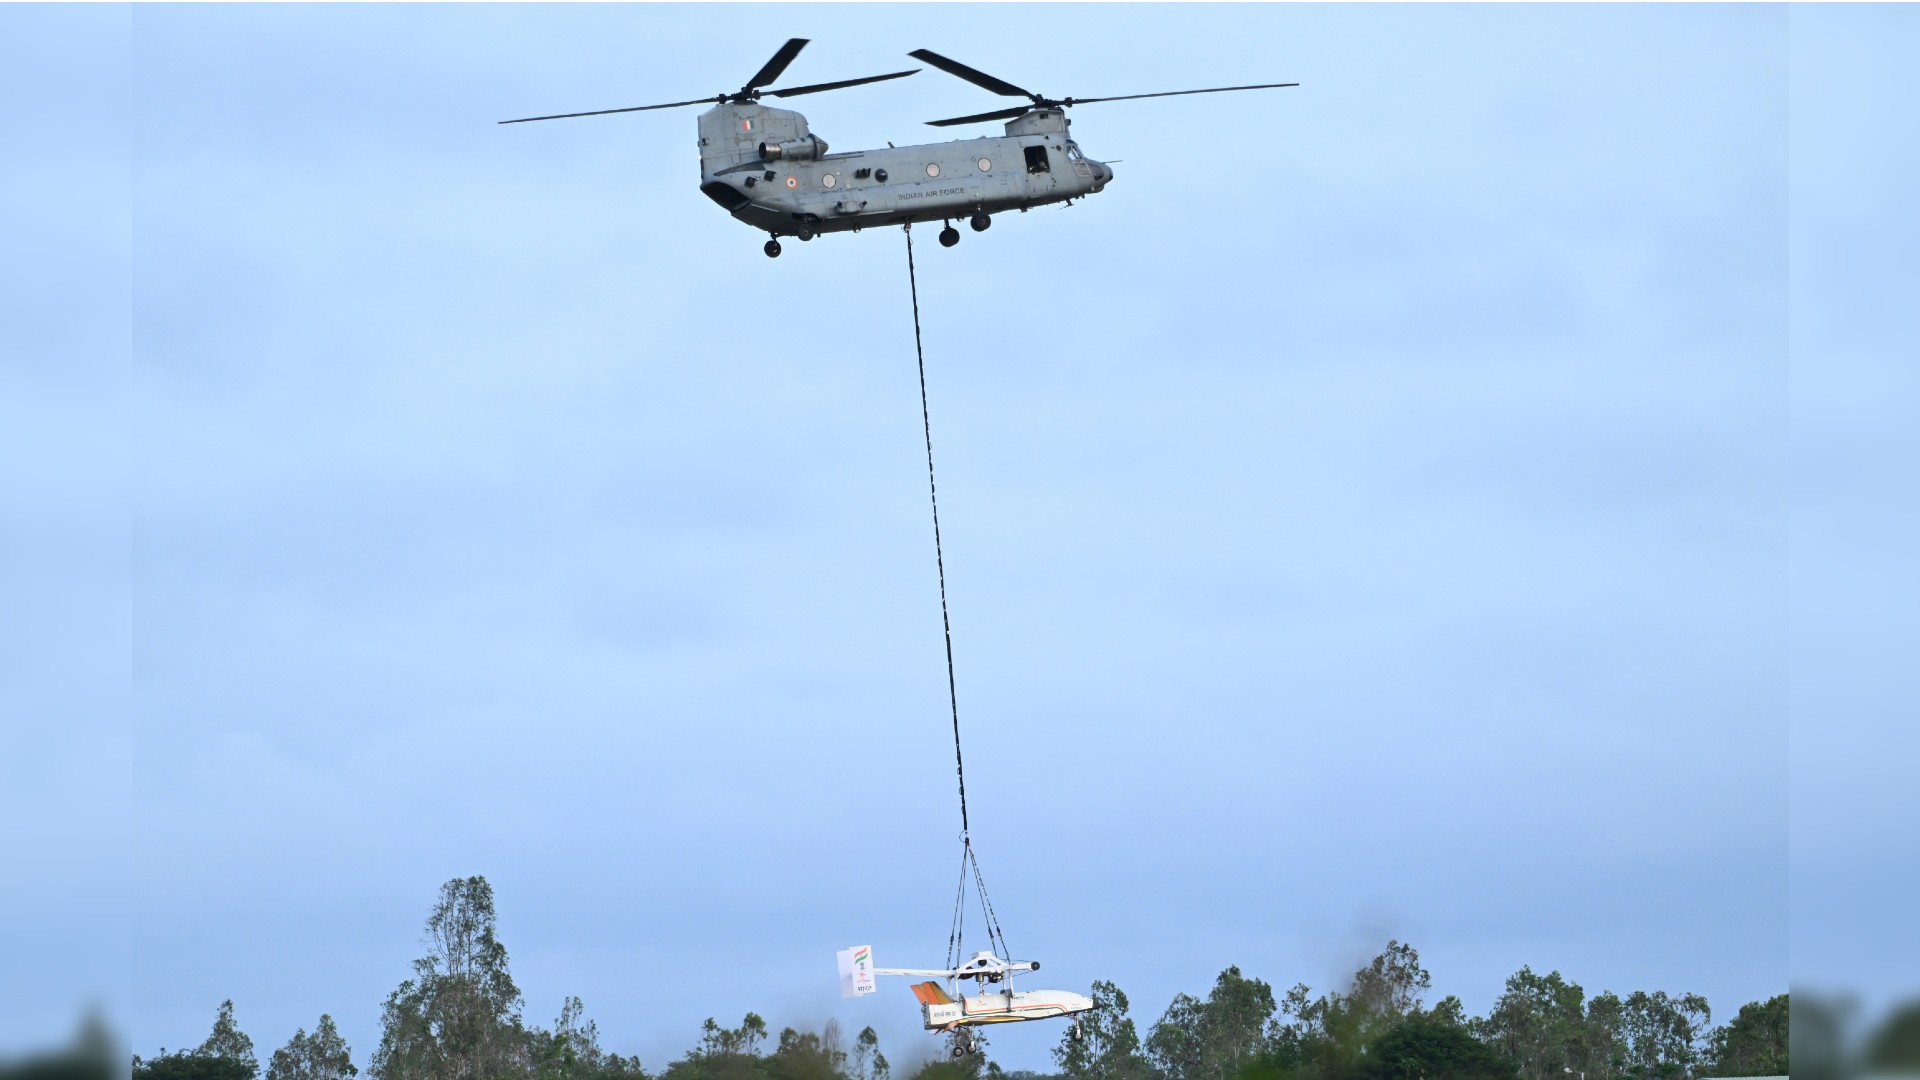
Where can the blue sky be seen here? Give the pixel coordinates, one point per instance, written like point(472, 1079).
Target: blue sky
point(1369, 518)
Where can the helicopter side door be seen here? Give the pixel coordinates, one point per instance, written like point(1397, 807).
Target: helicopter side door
point(1038, 164)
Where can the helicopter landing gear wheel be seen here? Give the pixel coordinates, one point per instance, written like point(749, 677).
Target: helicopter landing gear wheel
point(980, 222)
point(772, 249)
point(949, 236)
point(805, 234)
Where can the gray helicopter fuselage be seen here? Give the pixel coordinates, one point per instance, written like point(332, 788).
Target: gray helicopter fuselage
point(766, 168)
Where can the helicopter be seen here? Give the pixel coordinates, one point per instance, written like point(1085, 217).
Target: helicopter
point(940, 1011)
point(768, 169)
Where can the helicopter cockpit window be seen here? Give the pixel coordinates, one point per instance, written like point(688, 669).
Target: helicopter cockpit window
point(1037, 160)
point(1073, 151)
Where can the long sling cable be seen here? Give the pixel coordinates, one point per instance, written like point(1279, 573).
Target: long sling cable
point(969, 863)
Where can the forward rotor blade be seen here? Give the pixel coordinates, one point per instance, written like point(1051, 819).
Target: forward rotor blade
point(772, 69)
point(976, 118)
point(977, 78)
point(606, 112)
point(1179, 93)
point(817, 87)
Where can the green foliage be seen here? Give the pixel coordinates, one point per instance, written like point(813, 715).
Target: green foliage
point(458, 1018)
point(322, 1055)
point(229, 1042)
point(803, 1055)
point(1424, 1047)
point(1894, 1048)
point(1392, 985)
point(734, 1054)
point(571, 1051)
point(1659, 1037)
point(945, 1070)
point(227, 1054)
point(1539, 1024)
point(868, 1062)
point(1213, 1039)
point(1108, 1047)
point(1549, 1030)
point(1754, 1043)
point(190, 1065)
point(743, 1041)
point(1604, 1054)
point(1326, 1037)
point(1175, 1042)
point(1448, 1010)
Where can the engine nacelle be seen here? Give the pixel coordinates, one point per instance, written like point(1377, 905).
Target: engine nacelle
point(807, 149)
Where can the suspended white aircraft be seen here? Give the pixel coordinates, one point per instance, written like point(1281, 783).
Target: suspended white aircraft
point(940, 1012)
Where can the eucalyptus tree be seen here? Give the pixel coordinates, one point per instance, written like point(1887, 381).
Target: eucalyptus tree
point(1661, 1037)
point(1540, 1024)
point(1392, 985)
point(1754, 1043)
point(1216, 1038)
point(1108, 1046)
point(868, 1063)
point(229, 1042)
point(571, 1051)
point(458, 1018)
point(322, 1055)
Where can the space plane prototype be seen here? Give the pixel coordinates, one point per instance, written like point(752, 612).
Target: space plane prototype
point(944, 1011)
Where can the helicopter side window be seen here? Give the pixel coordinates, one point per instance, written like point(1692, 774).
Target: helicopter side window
point(1037, 160)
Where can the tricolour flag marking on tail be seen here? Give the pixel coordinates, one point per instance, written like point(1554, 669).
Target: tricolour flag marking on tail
point(856, 971)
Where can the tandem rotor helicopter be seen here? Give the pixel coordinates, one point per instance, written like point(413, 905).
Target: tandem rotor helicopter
point(766, 168)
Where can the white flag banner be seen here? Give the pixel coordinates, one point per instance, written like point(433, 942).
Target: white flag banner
point(856, 971)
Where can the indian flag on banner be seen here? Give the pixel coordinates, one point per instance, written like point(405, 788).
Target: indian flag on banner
point(856, 971)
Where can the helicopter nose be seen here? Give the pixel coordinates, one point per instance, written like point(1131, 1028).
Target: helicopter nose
point(1101, 175)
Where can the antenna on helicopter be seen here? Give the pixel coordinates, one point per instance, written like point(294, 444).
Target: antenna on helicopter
point(752, 91)
point(1007, 89)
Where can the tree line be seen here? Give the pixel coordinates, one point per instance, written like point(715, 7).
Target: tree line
point(460, 1017)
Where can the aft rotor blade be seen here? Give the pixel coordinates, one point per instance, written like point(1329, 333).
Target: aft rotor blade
point(1179, 93)
point(976, 118)
point(606, 112)
point(976, 77)
point(817, 87)
point(772, 69)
